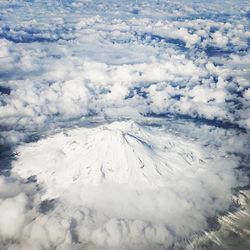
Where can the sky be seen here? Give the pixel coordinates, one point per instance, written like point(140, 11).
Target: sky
point(123, 124)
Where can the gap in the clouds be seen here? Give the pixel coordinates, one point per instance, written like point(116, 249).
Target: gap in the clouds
point(17, 74)
point(198, 120)
point(235, 91)
point(26, 39)
point(31, 35)
point(213, 29)
point(13, 6)
point(135, 11)
point(33, 137)
point(153, 40)
point(248, 15)
point(140, 92)
point(47, 205)
point(148, 37)
point(223, 17)
point(32, 179)
point(4, 90)
point(7, 155)
point(215, 51)
point(248, 43)
point(136, 91)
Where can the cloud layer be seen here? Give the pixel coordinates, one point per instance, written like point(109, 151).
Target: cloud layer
point(114, 186)
point(74, 59)
point(179, 68)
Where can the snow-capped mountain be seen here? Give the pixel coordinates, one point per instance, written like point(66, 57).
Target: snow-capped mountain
point(123, 174)
point(121, 152)
point(124, 124)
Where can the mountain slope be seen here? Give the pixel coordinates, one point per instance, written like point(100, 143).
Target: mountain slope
point(121, 152)
point(127, 184)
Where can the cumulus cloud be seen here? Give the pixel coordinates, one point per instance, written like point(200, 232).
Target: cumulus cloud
point(66, 70)
point(67, 64)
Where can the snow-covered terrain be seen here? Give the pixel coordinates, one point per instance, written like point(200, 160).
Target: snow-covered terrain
point(129, 186)
point(124, 124)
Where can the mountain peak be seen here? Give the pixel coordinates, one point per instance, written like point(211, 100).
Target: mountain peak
point(120, 152)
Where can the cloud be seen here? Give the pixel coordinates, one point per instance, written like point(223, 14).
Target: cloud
point(180, 67)
point(62, 71)
point(101, 187)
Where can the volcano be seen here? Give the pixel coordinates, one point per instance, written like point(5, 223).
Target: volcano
point(126, 184)
point(121, 152)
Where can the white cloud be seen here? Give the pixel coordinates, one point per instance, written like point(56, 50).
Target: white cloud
point(220, 40)
point(135, 171)
point(14, 217)
point(64, 65)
